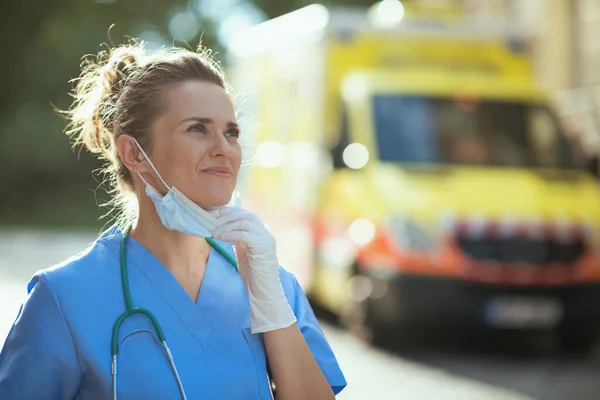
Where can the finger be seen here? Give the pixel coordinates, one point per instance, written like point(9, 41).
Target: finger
point(227, 214)
point(224, 210)
point(236, 236)
point(248, 236)
point(237, 225)
point(233, 214)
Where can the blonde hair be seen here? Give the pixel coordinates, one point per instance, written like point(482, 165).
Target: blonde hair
point(120, 91)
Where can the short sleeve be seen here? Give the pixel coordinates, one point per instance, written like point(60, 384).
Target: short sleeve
point(316, 340)
point(38, 359)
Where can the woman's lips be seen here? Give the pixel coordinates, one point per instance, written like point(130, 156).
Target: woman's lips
point(219, 171)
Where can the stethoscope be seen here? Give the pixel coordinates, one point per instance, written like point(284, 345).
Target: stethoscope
point(131, 310)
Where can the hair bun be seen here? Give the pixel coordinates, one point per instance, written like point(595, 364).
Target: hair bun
point(122, 63)
point(97, 94)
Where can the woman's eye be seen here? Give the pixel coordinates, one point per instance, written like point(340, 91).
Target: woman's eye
point(233, 133)
point(197, 128)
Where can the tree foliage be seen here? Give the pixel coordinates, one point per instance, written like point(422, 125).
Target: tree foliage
point(43, 43)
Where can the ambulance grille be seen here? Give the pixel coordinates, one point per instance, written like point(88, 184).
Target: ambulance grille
point(523, 250)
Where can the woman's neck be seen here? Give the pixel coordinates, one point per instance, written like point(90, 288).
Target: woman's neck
point(182, 254)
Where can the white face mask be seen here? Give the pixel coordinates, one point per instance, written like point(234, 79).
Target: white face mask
point(177, 212)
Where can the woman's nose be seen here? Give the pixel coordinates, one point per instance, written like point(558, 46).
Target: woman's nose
point(220, 146)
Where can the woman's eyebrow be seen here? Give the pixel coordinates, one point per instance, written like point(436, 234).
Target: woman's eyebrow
point(197, 119)
point(207, 121)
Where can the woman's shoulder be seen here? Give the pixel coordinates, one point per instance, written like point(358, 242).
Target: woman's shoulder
point(287, 277)
point(87, 265)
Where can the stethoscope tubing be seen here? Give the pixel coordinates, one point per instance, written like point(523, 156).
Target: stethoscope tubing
point(131, 310)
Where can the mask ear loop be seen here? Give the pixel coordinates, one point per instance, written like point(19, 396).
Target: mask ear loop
point(152, 165)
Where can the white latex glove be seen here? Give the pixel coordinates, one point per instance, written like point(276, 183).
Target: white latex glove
point(257, 259)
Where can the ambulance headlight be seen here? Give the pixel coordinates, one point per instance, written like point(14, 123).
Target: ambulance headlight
point(411, 236)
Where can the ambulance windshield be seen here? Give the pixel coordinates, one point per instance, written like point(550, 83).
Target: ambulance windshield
point(416, 129)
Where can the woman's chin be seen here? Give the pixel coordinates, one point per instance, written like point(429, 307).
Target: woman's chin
point(215, 201)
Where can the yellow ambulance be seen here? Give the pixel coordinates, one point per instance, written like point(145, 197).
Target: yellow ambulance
point(415, 173)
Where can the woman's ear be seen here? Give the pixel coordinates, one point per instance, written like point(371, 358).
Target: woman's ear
point(131, 155)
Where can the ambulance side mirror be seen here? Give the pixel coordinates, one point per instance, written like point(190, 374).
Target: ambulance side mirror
point(592, 165)
point(337, 156)
point(337, 152)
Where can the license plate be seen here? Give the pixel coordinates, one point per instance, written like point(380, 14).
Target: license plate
point(523, 312)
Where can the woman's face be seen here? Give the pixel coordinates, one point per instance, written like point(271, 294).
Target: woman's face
point(195, 144)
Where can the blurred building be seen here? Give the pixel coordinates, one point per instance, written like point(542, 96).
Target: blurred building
point(562, 36)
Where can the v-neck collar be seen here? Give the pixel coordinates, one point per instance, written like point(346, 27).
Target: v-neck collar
point(198, 317)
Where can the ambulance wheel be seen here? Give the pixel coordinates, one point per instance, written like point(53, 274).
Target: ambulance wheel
point(360, 318)
point(576, 341)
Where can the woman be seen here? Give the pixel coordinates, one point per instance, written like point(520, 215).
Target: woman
point(166, 125)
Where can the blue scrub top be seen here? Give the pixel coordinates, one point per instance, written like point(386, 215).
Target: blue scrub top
point(59, 345)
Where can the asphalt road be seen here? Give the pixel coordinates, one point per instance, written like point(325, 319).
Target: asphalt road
point(431, 370)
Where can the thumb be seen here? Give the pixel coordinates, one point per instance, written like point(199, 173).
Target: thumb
point(241, 256)
point(223, 210)
point(241, 250)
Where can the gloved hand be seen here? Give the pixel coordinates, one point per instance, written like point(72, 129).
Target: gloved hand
point(257, 258)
